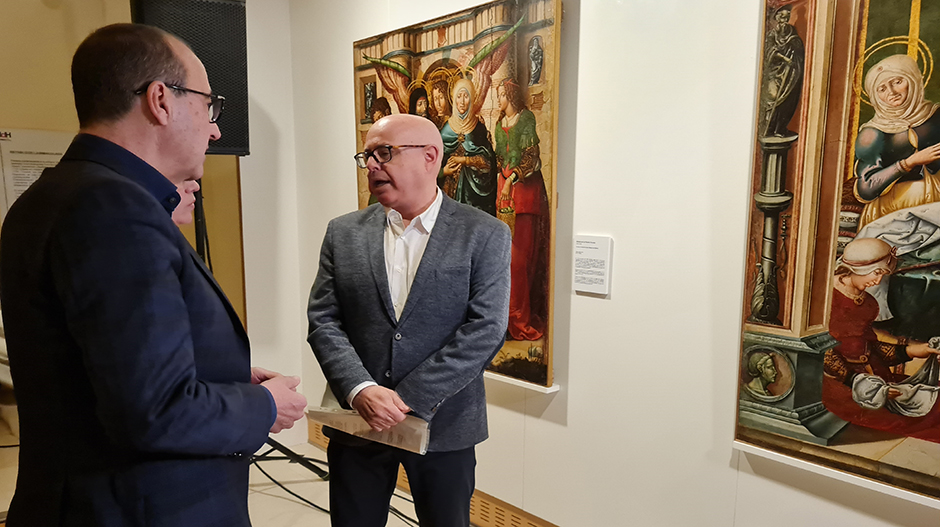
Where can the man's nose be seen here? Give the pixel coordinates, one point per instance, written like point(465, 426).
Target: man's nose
point(214, 132)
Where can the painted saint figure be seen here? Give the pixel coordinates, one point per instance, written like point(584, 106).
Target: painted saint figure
point(535, 60)
point(468, 174)
point(897, 153)
point(522, 189)
point(380, 108)
point(860, 354)
point(369, 99)
point(418, 103)
point(782, 76)
point(440, 104)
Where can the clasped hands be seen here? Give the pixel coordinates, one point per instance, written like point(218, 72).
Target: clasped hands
point(290, 404)
point(380, 407)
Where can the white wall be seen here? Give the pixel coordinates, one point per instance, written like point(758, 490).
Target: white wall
point(276, 319)
point(656, 114)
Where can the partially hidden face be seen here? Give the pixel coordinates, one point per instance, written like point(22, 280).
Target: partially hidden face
point(440, 102)
point(183, 213)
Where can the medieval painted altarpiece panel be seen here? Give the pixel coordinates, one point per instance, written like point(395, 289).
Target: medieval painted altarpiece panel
point(841, 329)
point(488, 78)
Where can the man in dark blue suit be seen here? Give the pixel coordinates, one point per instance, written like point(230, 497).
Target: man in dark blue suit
point(137, 402)
point(410, 304)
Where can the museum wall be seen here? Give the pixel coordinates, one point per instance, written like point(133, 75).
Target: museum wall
point(275, 296)
point(654, 150)
point(39, 38)
point(657, 104)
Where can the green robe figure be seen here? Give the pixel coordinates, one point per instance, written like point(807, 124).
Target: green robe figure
point(522, 190)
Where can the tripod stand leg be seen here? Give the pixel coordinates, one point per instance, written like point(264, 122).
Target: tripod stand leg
point(297, 458)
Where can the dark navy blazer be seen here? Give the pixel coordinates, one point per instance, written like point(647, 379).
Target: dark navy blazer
point(130, 367)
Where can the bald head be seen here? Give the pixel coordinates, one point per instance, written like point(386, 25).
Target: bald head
point(407, 182)
point(405, 129)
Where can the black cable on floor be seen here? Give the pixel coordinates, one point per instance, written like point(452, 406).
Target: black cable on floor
point(403, 497)
point(287, 490)
point(285, 458)
point(403, 517)
point(264, 457)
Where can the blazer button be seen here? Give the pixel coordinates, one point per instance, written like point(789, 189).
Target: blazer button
point(388, 373)
point(397, 336)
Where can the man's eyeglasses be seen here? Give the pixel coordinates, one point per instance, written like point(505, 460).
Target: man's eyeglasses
point(216, 102)
point(382, 154)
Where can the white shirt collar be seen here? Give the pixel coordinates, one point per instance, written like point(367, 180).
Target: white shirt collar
point(423, 222)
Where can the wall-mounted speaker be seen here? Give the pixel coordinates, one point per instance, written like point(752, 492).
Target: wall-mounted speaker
point(215, 30)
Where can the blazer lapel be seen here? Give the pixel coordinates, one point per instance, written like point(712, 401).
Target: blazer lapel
point(375, 245)
point(215, 285)
point(434, 253)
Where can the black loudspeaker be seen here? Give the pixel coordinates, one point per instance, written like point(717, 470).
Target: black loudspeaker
point(215, 30)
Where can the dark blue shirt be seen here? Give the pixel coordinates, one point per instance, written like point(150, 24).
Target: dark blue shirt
point(87, 147)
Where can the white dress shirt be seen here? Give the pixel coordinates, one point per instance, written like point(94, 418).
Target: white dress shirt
point(404, 247)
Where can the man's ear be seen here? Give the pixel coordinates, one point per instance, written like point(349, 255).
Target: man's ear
point(432, 154)
point(432, 159)
point(157, 102)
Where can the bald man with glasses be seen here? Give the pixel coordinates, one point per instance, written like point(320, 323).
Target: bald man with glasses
point(410, 304)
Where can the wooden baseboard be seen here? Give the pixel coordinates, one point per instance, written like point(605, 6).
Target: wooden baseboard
point(485, 510)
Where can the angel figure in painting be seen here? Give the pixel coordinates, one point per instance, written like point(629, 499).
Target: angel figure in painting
point(468, 173)
point(760, 366)
point(522, 192)
point(859, 385)
point(897, 153)
point(783, 76)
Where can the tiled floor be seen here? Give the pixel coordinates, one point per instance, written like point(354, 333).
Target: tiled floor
point(270, 506)
point(8, 463)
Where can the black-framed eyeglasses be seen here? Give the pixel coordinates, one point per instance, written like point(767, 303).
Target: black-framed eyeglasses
point(382, 154)
point(216, 102)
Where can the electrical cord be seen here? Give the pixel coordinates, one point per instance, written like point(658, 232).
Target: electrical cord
point(411, 522)
point(403, 497)
point(285, 458)
point(287, 490)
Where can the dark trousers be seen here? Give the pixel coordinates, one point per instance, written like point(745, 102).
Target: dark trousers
point(363, 478)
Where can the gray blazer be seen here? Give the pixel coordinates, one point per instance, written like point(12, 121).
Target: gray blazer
point(452, 325)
